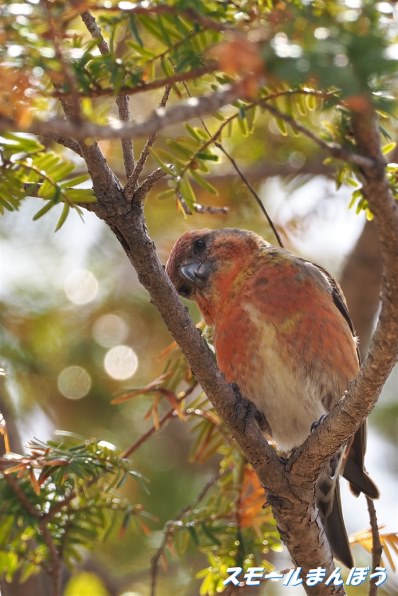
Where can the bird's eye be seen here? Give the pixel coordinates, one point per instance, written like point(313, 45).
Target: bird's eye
point(184, 291)
point(199, 245)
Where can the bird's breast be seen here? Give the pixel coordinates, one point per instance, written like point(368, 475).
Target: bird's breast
point(279, 365)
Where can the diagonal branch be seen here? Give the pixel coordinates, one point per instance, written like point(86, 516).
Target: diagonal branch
point(64, 141)
point(135, 174)
point(122, 100)
point(337, 151)
point(170, 527)
point(55, 558)
point(362, 396)
point(143, 87)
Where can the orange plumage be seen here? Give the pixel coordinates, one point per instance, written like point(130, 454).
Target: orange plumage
point(282, 332)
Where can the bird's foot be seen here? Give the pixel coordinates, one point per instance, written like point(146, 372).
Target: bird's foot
point(315, 424)
point(245, 410)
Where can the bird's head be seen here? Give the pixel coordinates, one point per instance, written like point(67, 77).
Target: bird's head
point(204, 264)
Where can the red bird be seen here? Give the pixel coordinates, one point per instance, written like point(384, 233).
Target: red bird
point(283, 334)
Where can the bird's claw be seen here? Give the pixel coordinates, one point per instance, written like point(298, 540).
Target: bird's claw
point(315, 424)
point(244, 410)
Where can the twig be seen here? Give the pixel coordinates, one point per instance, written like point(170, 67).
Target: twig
point(199, 208)
point(154, 428)
point(333, 149)
point(65, 141)
point(143, 87)
point(377, 548)
point(127, 452)
point(95, 32)
point(238, 500)
point(169, 529)
point(190, 13)
point(44, 531)
point(68, 75)
point(183, 204)
point(133, 178)
point(252, 191)
point(122, 100)
point(146, 185)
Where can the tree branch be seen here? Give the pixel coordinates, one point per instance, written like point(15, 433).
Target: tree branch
point(142, 87)
point(185, 110)
point(170, 528)
point(135, 174)
point(55, 571)
point(362, 396)
point(337, 151)
point(122, 100)
point(64, 141)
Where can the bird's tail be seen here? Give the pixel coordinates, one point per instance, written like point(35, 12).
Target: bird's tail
point(354, 469)
point(349, 462)
point(336, 532)
point(329, 505)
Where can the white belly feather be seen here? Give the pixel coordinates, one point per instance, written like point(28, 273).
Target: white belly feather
point(288, 398)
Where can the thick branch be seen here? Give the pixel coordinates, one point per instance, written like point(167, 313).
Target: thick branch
point(362, 396)
point(290, 491)
point(294, 510)
point(191, 108)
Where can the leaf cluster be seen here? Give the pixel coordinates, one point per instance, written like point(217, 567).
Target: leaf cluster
point(62, 497)
point(229, 522)
point(27, 169)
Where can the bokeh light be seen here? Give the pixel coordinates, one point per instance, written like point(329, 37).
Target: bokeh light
point(110, 330)
point(121, 362)
point(81, 286)
point(74, 382)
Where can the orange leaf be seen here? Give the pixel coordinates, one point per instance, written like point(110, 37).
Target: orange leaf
point(151, 387)
point(34, 482)
point(238, 56)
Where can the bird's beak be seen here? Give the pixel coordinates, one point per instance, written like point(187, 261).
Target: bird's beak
point(197, 273)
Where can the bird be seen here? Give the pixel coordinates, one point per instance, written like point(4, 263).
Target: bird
point(283, 334)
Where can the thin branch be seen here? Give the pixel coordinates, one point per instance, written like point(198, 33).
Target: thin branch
point(377, 548)
point(122, 100)
point(253, 192)
point(143, 438)
point(95, 32)
point(190, 13)
point(133, 178)
point(20, 494)
point(333, 149)
point(182, 203)
point(66, 70)
point(142, 87)
point(170, 527)
point(64, 141)
point(238, 171)
point(199, 208)
point(44, 531)
point(146, 185)
point(90, 152)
